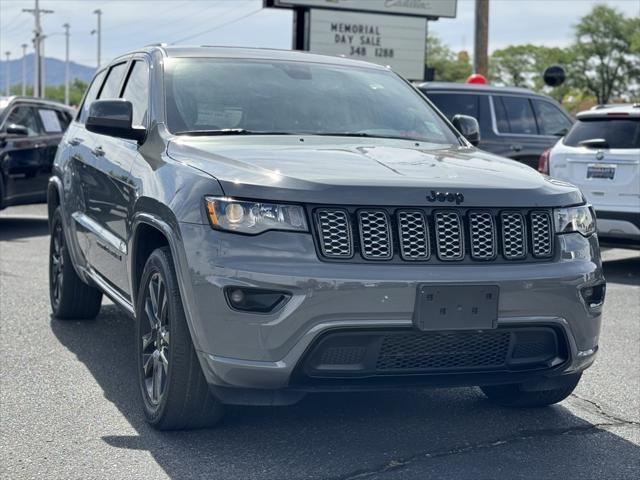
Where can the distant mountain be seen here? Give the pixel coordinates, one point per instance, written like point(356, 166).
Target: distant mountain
point(53, 70)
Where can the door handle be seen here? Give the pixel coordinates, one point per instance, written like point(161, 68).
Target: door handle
point(75, 141)
point(98, 151)
point(516, 148)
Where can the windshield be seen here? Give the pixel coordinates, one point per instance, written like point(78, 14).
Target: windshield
point(616, 132)
point(255, 96)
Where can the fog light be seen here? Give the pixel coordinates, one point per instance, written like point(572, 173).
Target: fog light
point(236, 297)
point(255, 299)
point(594, 295)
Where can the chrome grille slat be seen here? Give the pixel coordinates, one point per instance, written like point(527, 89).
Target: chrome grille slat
point(375, 235)
point(449, 239)
point(335, 233)
point(514, 244)
point(541, 234)
point(426, 235)
point(413, 232)
point(482, 233)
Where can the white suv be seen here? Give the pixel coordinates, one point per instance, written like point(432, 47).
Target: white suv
point(601, 155)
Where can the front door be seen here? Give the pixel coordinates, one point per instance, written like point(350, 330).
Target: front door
point(25, 170)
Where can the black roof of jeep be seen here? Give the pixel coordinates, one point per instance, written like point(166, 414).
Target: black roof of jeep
point(471, 87)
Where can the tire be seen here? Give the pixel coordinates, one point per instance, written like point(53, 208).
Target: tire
point(174, 391)
point(513, 395)
point(70, 297)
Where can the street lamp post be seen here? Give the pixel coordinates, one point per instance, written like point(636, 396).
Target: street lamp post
point(24, 69)
point(8, 87)
point(97, 31)
point(66, 64)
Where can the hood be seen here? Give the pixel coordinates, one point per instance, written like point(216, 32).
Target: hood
point(337, 170)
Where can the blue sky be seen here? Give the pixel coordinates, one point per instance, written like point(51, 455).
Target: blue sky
point(131, 23)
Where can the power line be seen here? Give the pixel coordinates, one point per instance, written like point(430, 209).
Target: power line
point(13, 19)
point(217, 27)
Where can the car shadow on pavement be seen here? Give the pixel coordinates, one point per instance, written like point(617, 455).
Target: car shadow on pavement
point(16, 228)
point(444, 433)
point(625, 270)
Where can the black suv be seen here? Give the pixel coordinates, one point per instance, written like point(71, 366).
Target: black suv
point(30, 131)
point(514, 122)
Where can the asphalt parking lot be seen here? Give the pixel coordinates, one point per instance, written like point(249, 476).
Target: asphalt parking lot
point(69, 404)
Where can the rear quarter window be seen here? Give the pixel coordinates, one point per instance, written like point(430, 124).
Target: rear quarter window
point(617, 132)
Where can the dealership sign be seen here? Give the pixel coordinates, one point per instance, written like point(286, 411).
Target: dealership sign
point(397, 41)
point(420, 8)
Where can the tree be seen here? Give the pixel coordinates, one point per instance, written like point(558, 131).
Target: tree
point(449, 66)
point(514, 65)
point(523, 66)
point(56, 92)
point(607, 53)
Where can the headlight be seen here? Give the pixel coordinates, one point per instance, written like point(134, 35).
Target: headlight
point(575, 219)
point(254, 217)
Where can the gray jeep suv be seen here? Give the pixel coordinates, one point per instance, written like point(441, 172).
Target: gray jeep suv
point(279, 223)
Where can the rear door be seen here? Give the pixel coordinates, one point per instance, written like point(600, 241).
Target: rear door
point(608, 177)
point(54, 123)
point(515, 124)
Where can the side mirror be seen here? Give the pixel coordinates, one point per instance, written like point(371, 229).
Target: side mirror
point(114, 118)
point(468, 127)
point(15, 129)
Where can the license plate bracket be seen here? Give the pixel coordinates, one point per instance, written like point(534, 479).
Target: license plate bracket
point(605, 172)
point(456, 307)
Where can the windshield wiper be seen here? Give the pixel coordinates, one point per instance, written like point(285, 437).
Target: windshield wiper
point(230, 131)
point(367, 135)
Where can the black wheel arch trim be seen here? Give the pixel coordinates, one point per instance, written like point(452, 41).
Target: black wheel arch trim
point(174, 239)
point(55, 185)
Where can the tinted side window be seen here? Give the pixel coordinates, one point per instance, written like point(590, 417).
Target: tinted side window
point(519, 116)
point(64, 118)
point(111, 88)
point(618, 132)
point(25, 116)
point(454, 103)
point(91, 95)
point(551, 120)
point(137, 91)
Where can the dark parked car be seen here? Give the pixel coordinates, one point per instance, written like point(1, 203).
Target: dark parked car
point(279, 223)
point(30, 131)
point(514, 122)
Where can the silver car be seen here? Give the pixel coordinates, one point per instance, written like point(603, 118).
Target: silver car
point(278, 223)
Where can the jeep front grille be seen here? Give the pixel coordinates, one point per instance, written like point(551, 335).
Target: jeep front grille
point(375, 235)
point(413, 234)
point(335, 233)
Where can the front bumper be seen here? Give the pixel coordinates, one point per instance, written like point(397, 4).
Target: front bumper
point(262, 351)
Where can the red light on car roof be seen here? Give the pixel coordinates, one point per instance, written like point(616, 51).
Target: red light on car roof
point(618, 114)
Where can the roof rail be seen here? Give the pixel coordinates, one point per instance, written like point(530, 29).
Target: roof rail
point(157, 44)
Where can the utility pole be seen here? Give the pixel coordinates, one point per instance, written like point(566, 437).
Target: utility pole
point(8, 87)
point(481, 44)
point(66, 64)
point(43, 76)
point(97, 31)
point(37, 35)
point(24, 69)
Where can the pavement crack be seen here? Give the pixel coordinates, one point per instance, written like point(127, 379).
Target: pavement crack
point(397, 464)
point(599, 410)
